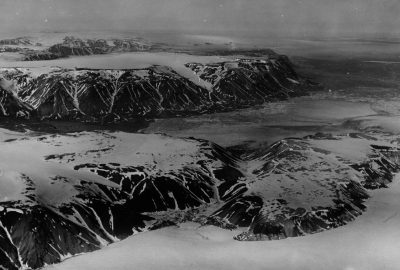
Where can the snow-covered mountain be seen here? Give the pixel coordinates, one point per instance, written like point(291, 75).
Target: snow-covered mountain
point(77, 192)
point(73, 46)
point(91, 94)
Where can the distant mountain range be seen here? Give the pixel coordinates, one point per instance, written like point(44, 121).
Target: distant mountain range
point(71, 46)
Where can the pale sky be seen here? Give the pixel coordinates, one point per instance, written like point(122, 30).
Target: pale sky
point(287, 17)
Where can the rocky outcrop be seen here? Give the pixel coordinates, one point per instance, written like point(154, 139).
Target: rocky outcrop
point(16, 41)
point(72, 46)
point(10, 104)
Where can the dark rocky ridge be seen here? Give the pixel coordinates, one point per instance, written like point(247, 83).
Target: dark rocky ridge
point(35, 232)
point(16, 41)
point(156, 91)
point(72, 46)
point(12, 105)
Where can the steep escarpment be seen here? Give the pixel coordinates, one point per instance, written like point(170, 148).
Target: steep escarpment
point(250, 80)
point(78, 192)
point(10, 104)
point(74, 94)
point(155, 91)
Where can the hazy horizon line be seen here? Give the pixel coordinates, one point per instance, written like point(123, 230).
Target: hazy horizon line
point(216, 32)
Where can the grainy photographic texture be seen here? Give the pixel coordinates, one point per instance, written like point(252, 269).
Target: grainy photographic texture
point(199, 134)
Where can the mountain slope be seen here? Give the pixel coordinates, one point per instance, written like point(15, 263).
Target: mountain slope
point(10, 104)
point(155, 91)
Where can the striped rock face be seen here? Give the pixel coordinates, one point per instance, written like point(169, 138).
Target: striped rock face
point(62, 195)
point(155, 91)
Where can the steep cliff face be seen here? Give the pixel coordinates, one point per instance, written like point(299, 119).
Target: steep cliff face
point(98, 93)
point(10, 104)
point(76, 193)
point(250, 80)
point(154, 91)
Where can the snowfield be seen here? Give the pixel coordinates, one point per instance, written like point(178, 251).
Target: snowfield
point(372, 242)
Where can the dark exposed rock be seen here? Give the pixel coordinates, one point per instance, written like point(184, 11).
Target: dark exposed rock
point(116, 95)
point(16, 41)
point(163, 224)
point(11, 105)
point(72, 46)
point(38, 244)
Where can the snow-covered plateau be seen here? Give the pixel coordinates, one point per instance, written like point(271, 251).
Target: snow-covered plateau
point(63, 195)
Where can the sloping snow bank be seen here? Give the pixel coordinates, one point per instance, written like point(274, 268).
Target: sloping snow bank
point(371, 242)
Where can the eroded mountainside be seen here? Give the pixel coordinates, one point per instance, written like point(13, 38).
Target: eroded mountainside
point(78, 192)
point(92, 94)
